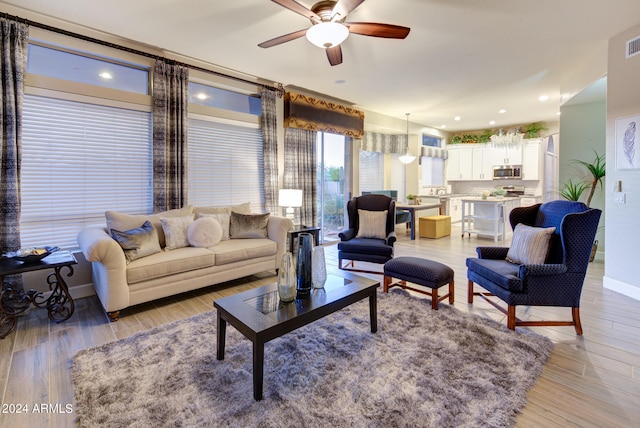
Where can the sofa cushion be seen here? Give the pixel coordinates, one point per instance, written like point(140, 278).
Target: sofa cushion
point(242, 209)
point(121, 221)
point(204, 232)
point(235, 250)
point(168, 263)
point(499, 272)
point(175, 231)
point(139, 242)
point(243, 226)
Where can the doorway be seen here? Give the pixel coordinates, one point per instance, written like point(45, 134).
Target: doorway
point(332, 168)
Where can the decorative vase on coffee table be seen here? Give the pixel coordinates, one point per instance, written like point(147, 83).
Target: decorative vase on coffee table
point(319, 268)
point(304, 265)
point(287, 286)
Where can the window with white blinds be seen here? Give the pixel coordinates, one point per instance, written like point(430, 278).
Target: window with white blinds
point(225, 164)
point(78, 161)
point(371, 171)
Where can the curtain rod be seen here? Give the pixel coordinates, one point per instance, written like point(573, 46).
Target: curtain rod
point(279, 89)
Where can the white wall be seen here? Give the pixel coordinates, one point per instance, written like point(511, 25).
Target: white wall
point(621, 225)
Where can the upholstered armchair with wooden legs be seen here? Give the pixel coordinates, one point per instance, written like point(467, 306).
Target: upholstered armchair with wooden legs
point(557, 281)
point(371, 233)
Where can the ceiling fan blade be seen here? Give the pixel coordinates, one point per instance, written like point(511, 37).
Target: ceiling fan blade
point(343, 8)
point(374, 29)
point(296, 7)
point(335, 55)
point(283, 39)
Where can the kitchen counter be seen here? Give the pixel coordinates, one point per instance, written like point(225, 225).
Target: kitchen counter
point(487, 217)
point(489, 198)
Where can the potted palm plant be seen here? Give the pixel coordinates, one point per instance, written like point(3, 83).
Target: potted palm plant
point(573, 191)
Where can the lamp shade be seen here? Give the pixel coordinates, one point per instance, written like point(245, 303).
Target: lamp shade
point(407, 158)
point(290, 198)
point(327, 34)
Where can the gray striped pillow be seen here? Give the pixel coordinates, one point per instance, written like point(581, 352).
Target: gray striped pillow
point(530, 245)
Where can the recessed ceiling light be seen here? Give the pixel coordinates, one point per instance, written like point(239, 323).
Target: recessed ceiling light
point(106, 75)
point(502, 111)
point(443, 126)
point(559, 113)
point(457, 118)
point(493, 122)
point(201, 96)
point(543, 97)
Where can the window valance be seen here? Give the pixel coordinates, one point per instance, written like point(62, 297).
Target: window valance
point(434, 152)
point(305, 112)
point(384, 143)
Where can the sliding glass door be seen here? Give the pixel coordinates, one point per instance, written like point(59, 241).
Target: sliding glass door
point(332, 164)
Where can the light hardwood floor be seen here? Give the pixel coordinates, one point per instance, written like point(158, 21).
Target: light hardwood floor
point(589, 381)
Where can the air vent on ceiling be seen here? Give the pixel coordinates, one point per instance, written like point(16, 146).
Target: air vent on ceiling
point(633, 47)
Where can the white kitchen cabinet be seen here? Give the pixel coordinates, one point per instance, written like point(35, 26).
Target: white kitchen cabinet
point(531, 162)
point(507, 155)
point(482, 168)
point(459, 163)
point(455, 210)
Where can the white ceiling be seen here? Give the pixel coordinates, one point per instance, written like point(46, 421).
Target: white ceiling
point(467, 58)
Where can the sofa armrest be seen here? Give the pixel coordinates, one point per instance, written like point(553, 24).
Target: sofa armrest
point(277, 230)
point(391, 238)
point(347, 234)
point(492, 253)
point(540, 270)
point(109, 267)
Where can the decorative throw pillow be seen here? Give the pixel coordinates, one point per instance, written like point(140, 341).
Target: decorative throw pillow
point(530, 245)
point(175, 231)
point(121, 221)
point(242, 208)
point(204, 232)
point(223, 219)
point(248, 225)
point(139, 242)
point(372, 224)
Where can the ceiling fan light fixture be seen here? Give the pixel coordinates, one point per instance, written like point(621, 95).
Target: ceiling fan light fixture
point(327, 34)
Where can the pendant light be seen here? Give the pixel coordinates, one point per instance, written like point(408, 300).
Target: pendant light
point(407, 158)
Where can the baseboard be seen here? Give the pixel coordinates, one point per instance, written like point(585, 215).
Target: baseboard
point(81, 291)
point(621, 287)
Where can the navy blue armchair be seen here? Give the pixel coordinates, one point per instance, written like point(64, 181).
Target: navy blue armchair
point(372, 250)
point(557, 282)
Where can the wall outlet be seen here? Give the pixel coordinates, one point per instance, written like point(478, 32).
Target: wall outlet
point(619, 197)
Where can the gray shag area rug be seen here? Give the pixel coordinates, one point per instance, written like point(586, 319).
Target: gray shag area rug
point(422, 368)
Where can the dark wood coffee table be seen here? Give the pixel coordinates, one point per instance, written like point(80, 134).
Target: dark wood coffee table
point(261, 317)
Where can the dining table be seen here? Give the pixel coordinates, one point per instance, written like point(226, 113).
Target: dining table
point(412, 209)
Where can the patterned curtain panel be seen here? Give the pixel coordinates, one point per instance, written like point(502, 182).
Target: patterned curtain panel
point(270, 150)
point(170, 102)
point(305, 112)
point(300, 166)
point(384, 143)
point(13, 62)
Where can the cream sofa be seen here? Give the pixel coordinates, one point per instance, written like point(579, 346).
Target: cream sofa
point(120, 284)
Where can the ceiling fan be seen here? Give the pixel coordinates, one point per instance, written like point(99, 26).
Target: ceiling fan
point(329, 28)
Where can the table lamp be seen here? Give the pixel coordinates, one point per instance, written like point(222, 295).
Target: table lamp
point(290, 198)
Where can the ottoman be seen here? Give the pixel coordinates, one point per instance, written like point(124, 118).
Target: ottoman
point(426, 273)
point(435, 226)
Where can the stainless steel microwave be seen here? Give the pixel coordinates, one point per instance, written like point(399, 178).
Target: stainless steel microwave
point(506, 172)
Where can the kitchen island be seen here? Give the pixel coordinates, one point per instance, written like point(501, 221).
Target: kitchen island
point(487, 217)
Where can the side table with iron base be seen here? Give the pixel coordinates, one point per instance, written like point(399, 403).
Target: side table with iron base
point(14, 302)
